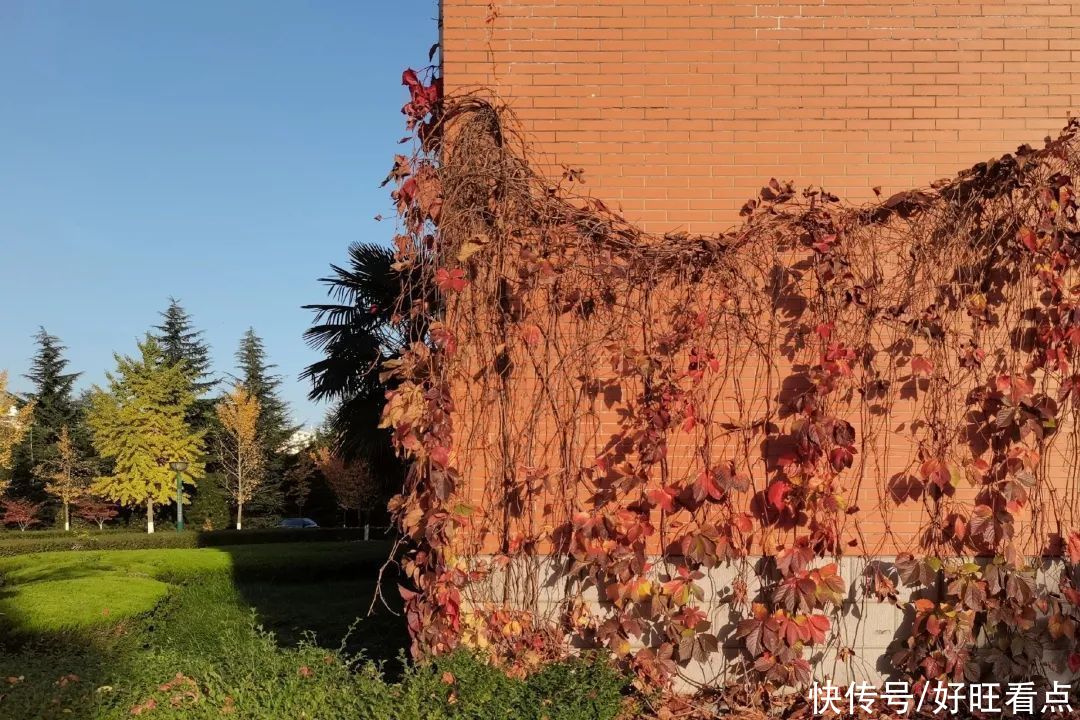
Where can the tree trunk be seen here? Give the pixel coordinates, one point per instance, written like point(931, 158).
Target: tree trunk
point(149, 516)
point(67, 517)
point(239, 494)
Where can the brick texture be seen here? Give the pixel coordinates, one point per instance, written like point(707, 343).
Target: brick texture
point(679, 110)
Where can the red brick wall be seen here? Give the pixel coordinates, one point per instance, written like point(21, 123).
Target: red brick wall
point(679, 110)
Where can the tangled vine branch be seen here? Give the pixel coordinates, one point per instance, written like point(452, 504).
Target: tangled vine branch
point(599, 418)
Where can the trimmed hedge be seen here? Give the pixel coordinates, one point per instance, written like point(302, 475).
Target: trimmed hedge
point(31, 542)
point(11, 534)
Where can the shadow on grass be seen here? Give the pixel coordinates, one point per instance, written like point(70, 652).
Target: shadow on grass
point(298, 591)
point(73, 673)
point(325, 595)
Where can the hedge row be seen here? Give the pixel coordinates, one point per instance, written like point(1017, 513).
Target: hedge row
point(29, 543)
point(15, 534)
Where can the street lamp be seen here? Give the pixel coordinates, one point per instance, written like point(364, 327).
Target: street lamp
point(178, 467)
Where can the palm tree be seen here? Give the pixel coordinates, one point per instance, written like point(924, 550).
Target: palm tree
point(366, 324)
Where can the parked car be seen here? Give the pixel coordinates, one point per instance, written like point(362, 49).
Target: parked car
point(298, 523)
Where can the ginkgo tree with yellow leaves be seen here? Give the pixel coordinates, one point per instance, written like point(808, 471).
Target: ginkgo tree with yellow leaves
point(139, 424)
point(239, 449)
point(14, 422)
point(67, 476)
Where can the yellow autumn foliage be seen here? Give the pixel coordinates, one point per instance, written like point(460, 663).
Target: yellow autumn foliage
point(14, 423)
point(240, 450)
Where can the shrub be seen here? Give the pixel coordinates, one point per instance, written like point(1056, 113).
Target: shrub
point(77, 528)
point(96, 510)
point(209, 509)
point(584, 688)
point(21, 513)
point(28, 543)
point(122, 540)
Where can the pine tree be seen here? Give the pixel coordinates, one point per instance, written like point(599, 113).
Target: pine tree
point(181, 342)
point(139, 423)
point(274, 428)
point(54, 408)
point(210, 509)
point(255, 374)
point(183, 345)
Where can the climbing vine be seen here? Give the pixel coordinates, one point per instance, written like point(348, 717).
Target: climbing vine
point(666, 446)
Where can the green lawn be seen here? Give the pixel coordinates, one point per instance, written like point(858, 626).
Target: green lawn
point(252, 632)
point(52, 605)
point(57, 592)
point(121, 619)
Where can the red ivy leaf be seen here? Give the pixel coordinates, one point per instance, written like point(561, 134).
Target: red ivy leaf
point(744, 522)
point(440, 455)
point(818, 628)
point(828, 585)
point(922, 366)
point(706, 487)
point(776, 494)
point(443, 337)
point(1074, 662)
point(760, 632)
point(450, 280)
point(1074, 547)
point(664, 497)
point(841, 458)
point(531, 334)
point(1028, 239)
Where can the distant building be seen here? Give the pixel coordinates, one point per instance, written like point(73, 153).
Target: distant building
point(299, 440)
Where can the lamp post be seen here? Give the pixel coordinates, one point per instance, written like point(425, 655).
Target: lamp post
point(178, 467)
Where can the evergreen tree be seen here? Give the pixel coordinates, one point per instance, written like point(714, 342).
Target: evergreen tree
point(183, 345)
point(54, 404)
point(210, 507)
point(255, 373)
point(181, 342)
point(55, 408)
point(139, 424)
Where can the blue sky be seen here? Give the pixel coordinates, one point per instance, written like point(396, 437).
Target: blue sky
point(220, 151)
